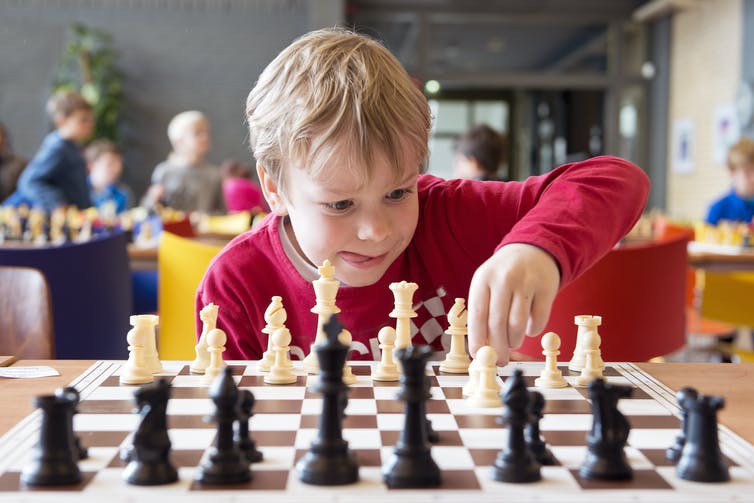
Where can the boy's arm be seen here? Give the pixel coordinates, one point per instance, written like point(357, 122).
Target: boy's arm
point(40, 186)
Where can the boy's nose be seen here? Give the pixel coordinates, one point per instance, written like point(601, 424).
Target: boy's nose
point(373, 227)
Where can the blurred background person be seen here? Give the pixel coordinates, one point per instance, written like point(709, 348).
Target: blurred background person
point(479, 152)
point(105, 164)
point(11, 165)
point(241, 192)
point(738, 204)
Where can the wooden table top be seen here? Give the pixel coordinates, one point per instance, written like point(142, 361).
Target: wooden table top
point(734, 381)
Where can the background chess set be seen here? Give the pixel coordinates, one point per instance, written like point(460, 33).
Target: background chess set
point(286, 421)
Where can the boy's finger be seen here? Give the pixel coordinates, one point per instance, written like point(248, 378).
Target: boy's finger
point(517, 319)
point(540, 314)
point(477, 310)
point(497, 325)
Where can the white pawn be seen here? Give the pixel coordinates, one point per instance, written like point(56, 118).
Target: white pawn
point(457, 360)
point(551, 376)
point(591, 368)
point(471, 384)
point(216, 339)
point(135, 371)
point(345, 338)
point(487, 391)
point(275, 316)
point(386, 370)
point(208, 315)
point(280, 372)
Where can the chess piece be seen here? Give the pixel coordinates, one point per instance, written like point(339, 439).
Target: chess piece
point(216, 340)
point(208, 315)
point(147, 324)
point(486, 392)
point(280, 372)
point(345, 337)
point(673, 452)
point(701, 459)
point(532, 435)
point(590, 349)
point(243, 438)
point(80, 452)
point(329, 461)
point(606, 458)
point(54, 461)
point(551, 376)
point(136, 370)
point(149, 459)
point(515, 462)
point(457, 360)
point(471, 384)
point(225, 464)
point(274, 317)
point(587, 324)
point(404, 294)
point(325, 290)
point(386, 370)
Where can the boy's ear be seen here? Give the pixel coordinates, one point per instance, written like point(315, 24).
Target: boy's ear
point(271, 192)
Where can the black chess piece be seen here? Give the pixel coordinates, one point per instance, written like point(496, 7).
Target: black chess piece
point(54, 461)
point(606, 459)
point(673, 453)
point(701, 459)
point(80, 452)
point(411, 465)
point(329, 461)
point(532, 435)
point(225, 463)
point(516, 462)
point(243, 438)
point(149, 458)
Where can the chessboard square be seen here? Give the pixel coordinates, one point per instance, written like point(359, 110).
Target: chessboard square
point(557, 394)
point(11, 481)
point(189, 392)
point(275, 407)
point(651, 438)
point(361, 393)
point(350, 421)
point(567, 407)
point(275, 422)
point(477, 438)
point(110, 393)
point(477, 421)
point(642, 480)
point(449, 438)
point(191, 438)
point(107, 406)
point(364, 457)
point(443, 422)
point(252, 369)
point(452, 393)
point(193, 381)
point(390, 422)
point(657, 422)
point(274, 438)
point(459, 480)
point(461, 407)
point(267, 480)
point(484, 457)
point(570, 456)
point(556, 481)
point(277, 392)
point(452, 380)
point(98, 458)
point(565, 437)
point(739, 483)
point(275, 458)
point(369, 484)
point(528, 369)
point(568, 422)
point(311, 406)
point(105, 422)
point(386, 393)
point(637, 459)
point(102, 438)
point(658, 457)
point(183, 421)
point(191, 406)
point(360, 406)
point(357, 438)
point(361, 369)
point(645, 407)
point(452, 457)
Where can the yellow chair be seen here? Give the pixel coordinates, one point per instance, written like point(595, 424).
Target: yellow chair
point(729, 297)
point(181, 264)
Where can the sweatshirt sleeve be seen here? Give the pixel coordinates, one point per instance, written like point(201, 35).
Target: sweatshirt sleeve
point(39, 186)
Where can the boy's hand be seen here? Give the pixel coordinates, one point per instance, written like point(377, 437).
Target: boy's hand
point(510, 296)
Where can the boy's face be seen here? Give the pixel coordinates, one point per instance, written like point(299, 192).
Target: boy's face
point(360, 226)
point(196, 140)
point(78, 126)
point(742, 175)
point(105, 169)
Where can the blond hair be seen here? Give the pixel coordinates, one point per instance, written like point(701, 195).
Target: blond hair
point(335, 87)
point(179, 124)
point(745, 147)
point(63, 104)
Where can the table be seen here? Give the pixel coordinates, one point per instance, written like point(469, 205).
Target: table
point(720, 258)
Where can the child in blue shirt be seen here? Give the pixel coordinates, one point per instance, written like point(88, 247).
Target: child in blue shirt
point(105, 163)
point(738, 204)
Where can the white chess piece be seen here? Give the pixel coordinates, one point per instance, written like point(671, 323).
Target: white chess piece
point(487, 391)
point(136, 371)
point(146, 324)
point(216, 340)
point(274, 317)
point(591, 368)
point(471, 384)
point(280, 372)
point(208, 315)
point(551, 376)
point(325, 290)
point(386, 370)
point(345, 338)
point(457, 360)
point(403, 312)
point(586, 323)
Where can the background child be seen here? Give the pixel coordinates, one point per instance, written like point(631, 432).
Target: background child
point(11, 165)
point(340, 133)
point(479, 153)
point(56, 176)
point(738, 204)
point(240, 191)
point(105, 164)
point(185, 181)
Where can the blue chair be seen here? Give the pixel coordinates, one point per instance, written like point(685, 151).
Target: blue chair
point(90, 288)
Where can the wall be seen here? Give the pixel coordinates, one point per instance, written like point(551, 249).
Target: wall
point(175, 54)
point(705, 70)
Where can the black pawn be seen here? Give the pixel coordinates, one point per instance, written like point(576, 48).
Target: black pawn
point(701, 459)
point(516, 462)
point(245, 442)
point(54, 461)
point(225, 464)
point(329, 461)
point(532, 434)
point(149, 458)
point(411, 465)
point(79, 451)
point(606, 458)
point(673, 453)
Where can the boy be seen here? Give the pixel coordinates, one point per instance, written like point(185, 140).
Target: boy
point(738, 204)
point(105, 164)
point(185, 181)
point(56, 176)
point(478, 154)
point(340, 134)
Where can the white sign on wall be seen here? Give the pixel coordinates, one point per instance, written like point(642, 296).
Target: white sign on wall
point(683, 143)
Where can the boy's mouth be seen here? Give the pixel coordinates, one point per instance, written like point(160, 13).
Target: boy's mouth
point(362, 261)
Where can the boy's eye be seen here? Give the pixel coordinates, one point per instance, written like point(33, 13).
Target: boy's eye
point(339, 205)
point(397, 194)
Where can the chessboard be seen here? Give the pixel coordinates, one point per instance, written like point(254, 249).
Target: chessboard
point(286, 419)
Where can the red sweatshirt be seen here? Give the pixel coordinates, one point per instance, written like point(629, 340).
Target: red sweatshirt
point(577, 213)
